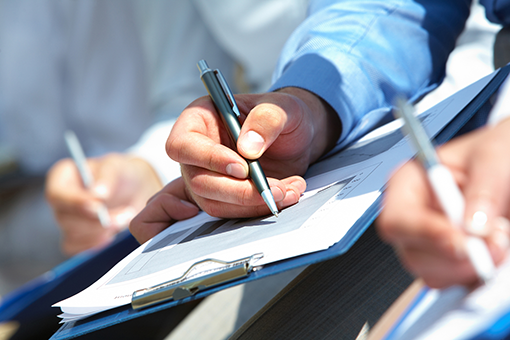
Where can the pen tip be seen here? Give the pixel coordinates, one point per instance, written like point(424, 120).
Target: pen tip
point(268, 198)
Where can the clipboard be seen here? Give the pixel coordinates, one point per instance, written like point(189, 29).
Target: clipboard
point(472, 116)
point(189, 283)
point(26, 313)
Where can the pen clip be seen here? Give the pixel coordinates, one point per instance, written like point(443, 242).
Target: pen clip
point(227, 91)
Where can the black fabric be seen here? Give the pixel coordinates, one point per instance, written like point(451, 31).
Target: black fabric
point(501, 55)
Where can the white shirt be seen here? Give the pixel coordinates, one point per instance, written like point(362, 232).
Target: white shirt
point(110, 69)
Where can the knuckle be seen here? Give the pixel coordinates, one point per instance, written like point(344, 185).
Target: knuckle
point(214, 156)
point(244, 197)
point(172, 147)
point(268, 115)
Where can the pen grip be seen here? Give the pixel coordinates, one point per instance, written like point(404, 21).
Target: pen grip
point(229, 118)
point(223, 105)
point(257, 175)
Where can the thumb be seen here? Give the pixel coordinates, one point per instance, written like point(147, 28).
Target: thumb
point(265, 123)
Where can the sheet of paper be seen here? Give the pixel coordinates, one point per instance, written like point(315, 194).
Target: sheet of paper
point(456, 313)
point(339, 191)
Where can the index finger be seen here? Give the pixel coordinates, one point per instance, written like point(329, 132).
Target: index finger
point(199, 138)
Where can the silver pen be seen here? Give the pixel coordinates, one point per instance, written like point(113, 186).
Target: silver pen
point(446, 190)
point(76, 151)
point(224, 101)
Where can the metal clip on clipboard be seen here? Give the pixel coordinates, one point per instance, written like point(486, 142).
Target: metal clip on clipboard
point(194, 280)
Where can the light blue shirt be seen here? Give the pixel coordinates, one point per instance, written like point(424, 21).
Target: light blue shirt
point(358, 55)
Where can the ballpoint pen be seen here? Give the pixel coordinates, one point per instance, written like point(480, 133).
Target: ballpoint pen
point(76, 151)
point(446, 190)
point(224, 101)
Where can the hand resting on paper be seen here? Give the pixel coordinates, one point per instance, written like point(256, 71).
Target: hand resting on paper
point(164, 208)
point(412, 221)
point(286, 130)
point(123, 183)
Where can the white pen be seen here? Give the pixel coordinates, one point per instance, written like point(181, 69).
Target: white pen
point(76, 151)
point(446, 190)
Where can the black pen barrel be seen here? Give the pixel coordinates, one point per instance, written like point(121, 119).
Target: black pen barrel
point(222, 104)
point(225, 104)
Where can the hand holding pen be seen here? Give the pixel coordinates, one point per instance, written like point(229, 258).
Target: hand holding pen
point(225, 103)
point(446, 191)
point(121, 182)
point(432, 224)
point(285, 131)
point(76, 151)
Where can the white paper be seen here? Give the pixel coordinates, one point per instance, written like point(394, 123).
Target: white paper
point(339, 191)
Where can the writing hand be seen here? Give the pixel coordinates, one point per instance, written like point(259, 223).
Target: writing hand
point(286, 130)
point(415, 225)
point(122, 183)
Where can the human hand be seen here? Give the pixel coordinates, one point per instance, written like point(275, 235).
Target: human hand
point(162, 210)
point(413, 222)
point(122, 183)
point(286, 130)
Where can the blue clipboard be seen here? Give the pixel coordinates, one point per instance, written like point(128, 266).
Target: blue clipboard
point(29, 307)
point(71, 276)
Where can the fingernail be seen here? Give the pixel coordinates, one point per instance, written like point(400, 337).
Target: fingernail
point(300, 185)
point(100, 191)
point(291, 198)
point(478, 224)
point(502, 223)
point(277, 194)
point(189, 204)
point(501, 240)
point(236, 170)
point(251, 143)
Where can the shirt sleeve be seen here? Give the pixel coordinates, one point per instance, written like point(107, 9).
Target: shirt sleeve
point(359, 55)
point(497, 11)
